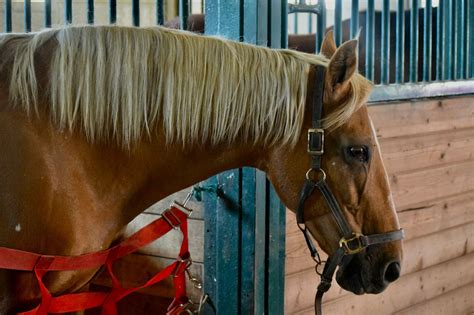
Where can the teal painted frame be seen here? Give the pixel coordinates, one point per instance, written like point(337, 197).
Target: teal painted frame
point(245, 226)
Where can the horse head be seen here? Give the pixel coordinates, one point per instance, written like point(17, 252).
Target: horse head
point(354, 170)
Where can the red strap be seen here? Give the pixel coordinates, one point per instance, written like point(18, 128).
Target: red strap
point(41, 264)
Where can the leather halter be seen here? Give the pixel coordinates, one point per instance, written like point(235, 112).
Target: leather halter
point(350, 243)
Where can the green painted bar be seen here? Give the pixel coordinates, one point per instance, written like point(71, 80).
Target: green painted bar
point(459, 39)
point(440, 42)
point(183, 14)
point(160, 17)
point(385, 58)
point(90, 11)
point(400, 43)
point(27, 15)
point(295, 23)
point(369, 43)
point(112, 11)
point(448, 40)
point(354, 18)
point(470, 53)
point(47, 13)
point(320, 25)
point(338, 22)
point(276, 253)
point(310, 23)
point(7, 24)
point(261, 193)
point(136, 12)
point(413, 73)
point(68, 11)
point(427, 41)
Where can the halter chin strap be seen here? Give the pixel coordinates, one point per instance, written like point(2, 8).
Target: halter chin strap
point(350, 243)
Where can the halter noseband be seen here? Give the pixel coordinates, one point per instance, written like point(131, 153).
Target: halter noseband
point(350, 243)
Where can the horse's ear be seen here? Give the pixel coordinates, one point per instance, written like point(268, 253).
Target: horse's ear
point(328, 47)
point(342, 66)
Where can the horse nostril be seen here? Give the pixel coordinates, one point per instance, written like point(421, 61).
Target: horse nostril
point(392, 272)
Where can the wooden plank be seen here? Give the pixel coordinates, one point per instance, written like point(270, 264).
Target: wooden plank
point(134, 270)
point(434, 216)
point(458, 301)
point(401, 154)
point(168, 245)
point(180, 196)
point(419, 253)
point(408, 290)
point(409, 118)
point(432, 183)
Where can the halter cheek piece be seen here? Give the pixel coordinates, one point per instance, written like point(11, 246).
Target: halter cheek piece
point(350, 243)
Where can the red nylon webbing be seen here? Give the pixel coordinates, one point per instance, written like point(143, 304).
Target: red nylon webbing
point(41, 264)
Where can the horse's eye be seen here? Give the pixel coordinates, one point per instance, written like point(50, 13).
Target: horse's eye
point(360, 153)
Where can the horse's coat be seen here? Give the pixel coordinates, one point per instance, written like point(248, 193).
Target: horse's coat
point(79, 163)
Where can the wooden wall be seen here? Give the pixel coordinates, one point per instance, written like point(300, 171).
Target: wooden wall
point(428, 150)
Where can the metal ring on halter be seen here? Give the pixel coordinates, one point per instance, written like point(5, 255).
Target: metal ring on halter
point(318, 265)
point(316, 180)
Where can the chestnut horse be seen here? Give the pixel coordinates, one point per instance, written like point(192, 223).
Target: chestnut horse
point(99, 123)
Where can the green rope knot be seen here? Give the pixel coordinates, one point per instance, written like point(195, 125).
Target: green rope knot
point(198, 190)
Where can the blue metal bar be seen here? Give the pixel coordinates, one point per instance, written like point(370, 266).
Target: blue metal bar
point(414, 41)
point(448, 40)
point(68, 11)
point(355, 18)
point(310, 23)
point(27, 7)
point(440, 42)
point(112, 11)
point(160, 18)
point(427, 41)
point(260, 243)
point(47, 13)
point(183, 14)
point(295, 23)
point(276, 254)
point(369, 43)
point(338, 22)
point(470, 29)
point(400, 44)
point(459, 40)
point(7, 26)
point(385, 46)
point(136, 12)
point(250, 217)
point(320, 25)
point(90, 11)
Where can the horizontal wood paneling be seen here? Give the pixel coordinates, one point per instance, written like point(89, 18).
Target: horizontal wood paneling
point(428, 149)
point(412, 118)
point(402, 154)
point(439, 215)
point(409, 290)
point(458, 301)
point(420, 253)
point(431, 183)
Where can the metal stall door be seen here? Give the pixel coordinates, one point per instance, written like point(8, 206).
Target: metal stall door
point(245, 226)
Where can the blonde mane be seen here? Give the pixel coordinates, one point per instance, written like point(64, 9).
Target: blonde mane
point(120, 81)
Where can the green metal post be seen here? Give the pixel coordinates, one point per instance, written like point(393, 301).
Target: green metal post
point(413, 73)
point(369, 43)
point(427, 41)
point(459, 39)
point(385, 59)
point(400, 43)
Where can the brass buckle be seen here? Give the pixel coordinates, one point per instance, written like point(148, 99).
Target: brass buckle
point(347, 244)
point(313, 132)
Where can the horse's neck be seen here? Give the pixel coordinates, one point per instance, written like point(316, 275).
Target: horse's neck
point(169, 168)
